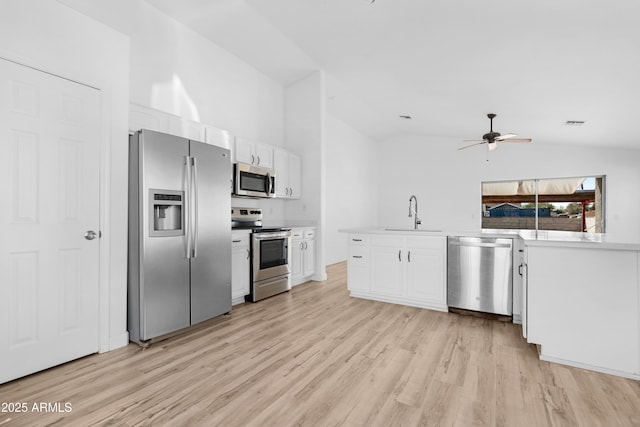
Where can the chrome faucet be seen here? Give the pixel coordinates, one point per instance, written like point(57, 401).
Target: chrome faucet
point(414, 212)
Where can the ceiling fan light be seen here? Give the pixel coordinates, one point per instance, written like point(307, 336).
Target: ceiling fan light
point(492, 145)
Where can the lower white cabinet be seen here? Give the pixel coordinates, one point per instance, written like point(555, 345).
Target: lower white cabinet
point(240, 265)
point(303, 255)
point(405, 270)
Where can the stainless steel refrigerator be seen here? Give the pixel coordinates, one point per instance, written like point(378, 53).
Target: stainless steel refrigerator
point(179, 234)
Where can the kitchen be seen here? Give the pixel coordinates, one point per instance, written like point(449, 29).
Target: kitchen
point(196, 80)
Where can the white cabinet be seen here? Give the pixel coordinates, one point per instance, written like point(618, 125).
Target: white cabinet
point(218, 137)
point(303, 255)
point(582, 307)
point(309, 257)
point(253, 153)
point(240, 265)
point(141, 117)
point(358, 264)
point(425, 271)
point(386, 265)
point(288, 174)
point(518, 280)
point(404, 270)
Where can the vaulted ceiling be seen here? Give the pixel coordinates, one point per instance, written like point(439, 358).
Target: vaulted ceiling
point(447, 63)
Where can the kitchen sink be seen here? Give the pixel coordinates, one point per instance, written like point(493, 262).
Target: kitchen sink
point(420, 230)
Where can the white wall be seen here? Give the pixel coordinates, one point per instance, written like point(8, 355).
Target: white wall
point(51, 37)
point(305, 113)
point(447, 181)
point(176, 70)
point(352, 199)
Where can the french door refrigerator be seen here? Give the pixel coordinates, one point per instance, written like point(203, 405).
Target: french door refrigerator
point(179, 234)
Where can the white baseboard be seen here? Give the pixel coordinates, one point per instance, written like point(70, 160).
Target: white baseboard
point(590, 367)
point(118, 341)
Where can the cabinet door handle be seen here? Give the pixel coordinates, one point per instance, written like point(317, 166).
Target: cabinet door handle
point(236, 241)
point(306, 245)
point(357, 256)
point(248, 253)
point(357, 240)
point(301, 246)
point(520, 270)
point(258, 160)
point(400, 255)
point(409, 256)
point(253, 159)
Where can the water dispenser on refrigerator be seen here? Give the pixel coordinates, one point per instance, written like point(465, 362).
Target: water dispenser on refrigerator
point(167, 213)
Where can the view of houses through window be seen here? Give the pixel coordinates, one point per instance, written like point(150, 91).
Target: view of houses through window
point(567, 204)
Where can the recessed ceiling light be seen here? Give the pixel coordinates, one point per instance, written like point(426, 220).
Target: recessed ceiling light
point(405, 117)
point(574, 122)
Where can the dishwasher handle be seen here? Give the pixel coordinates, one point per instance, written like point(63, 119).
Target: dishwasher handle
point(480, 244)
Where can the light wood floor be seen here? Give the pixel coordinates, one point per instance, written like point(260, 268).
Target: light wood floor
point(315, 356)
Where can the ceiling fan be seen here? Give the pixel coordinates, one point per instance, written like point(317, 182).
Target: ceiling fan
point(491, 138)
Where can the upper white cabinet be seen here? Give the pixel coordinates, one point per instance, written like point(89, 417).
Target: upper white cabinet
point(141, 117)
point(218, 137)
point(253, 153)
point(147, 118)
point(186, 128)
point(288, 167)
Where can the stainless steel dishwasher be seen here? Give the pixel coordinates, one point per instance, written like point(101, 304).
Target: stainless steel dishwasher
point(480, 274)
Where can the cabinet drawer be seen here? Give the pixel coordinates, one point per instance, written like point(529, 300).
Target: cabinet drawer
point(358, 239)
point(358, 255)
point(239, 240)
point(310, 234)
point(297, 233)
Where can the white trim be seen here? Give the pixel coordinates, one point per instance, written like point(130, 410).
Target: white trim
point(104, 254)
point(401, 301)
point(320, 276)
point(121, 340)
point(590, 367)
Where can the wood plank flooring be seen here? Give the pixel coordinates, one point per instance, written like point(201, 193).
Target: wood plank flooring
point(317, 357)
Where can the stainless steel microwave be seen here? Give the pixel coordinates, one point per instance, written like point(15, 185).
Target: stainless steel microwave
point(253, 181)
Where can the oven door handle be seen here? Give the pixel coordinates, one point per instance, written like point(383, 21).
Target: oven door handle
point(271, 236)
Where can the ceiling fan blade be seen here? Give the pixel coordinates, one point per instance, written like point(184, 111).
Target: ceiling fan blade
point(472, 145)
point(473, 140)
point(493, 146)
point(518, 140)
point(506, 136)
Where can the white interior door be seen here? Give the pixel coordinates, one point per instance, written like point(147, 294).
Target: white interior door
point(49, 170)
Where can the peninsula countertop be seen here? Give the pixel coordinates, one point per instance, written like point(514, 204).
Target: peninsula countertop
point(530, 237)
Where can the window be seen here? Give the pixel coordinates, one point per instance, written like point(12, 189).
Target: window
point(567, 204)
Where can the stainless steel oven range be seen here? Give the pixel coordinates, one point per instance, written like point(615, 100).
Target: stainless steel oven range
point(270, 268)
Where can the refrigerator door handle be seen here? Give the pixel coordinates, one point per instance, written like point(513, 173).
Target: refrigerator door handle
point(195, 207)
point(187, 205)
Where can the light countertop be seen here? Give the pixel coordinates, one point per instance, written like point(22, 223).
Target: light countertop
point(530, 237)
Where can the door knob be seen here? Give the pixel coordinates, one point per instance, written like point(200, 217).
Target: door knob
point(90, 235)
